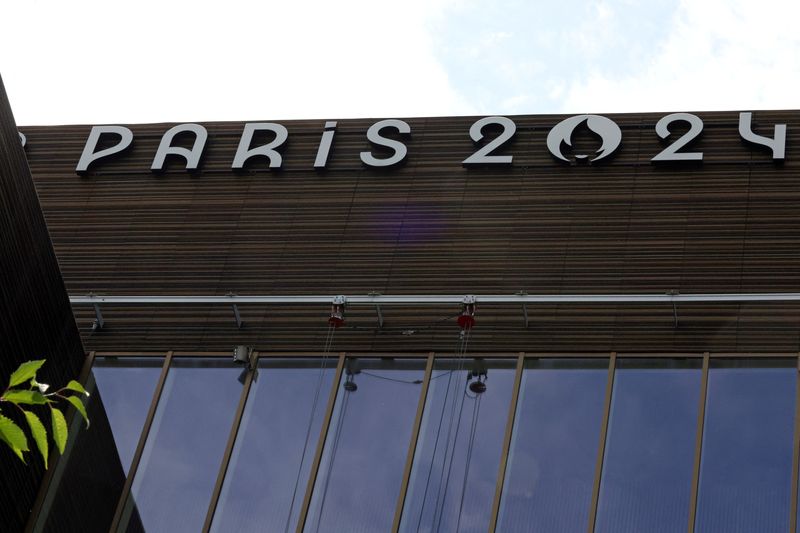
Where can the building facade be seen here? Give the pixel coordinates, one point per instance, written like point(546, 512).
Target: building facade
point(531, 323)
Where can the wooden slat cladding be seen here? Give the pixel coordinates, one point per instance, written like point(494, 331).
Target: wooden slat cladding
point(37, 321)
point(431, 226)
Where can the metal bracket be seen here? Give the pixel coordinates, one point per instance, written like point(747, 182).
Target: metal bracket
point(524, 309)
point(674, 293)
point(98, 321)
point(377, 309)
point(380, 316)
point(236, 315)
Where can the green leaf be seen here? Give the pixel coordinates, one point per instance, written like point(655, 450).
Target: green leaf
point(25, 372)
point(29, 397)
point(39, 434)
point(79, 406)
point(77, 387)
point(59, 429)
point(12, 434)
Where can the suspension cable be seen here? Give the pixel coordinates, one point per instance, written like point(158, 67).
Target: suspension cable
point(451, 451)
point(334, 448)
point(476, 411)
point(320, 376)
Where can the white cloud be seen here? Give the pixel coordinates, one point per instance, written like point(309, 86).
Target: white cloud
point(720, 54)
point(102, 61)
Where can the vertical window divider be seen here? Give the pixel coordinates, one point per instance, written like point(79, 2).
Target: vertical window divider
point(795, 454)
point(698, 443)
point(226, 456)
point(412, 445)
point(312, 478)
point(601, 449)
point(44, 487)
point(137, 456)
point(512, 414)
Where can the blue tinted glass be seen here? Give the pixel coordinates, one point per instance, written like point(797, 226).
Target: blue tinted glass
point(270, 464)
point(126, 387)
point(89, 478)
point(745, 471)
point(459, 448)
point(649, 457)
point(365, 452)
point(551, 463)
point(181, 459)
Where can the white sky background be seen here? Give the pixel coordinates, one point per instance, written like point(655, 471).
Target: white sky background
point(95, 62)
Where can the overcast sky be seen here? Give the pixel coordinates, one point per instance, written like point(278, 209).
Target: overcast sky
point(94, 62)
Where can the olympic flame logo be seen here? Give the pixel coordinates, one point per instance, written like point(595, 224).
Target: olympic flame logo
point(605, 128)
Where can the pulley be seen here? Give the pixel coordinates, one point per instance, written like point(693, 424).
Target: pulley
point(479, 385)
point(349, 384)
point(466, 320)
point(336, 319)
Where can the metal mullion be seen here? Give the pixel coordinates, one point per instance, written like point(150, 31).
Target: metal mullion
point(659, 355)
point(441, 299)
point(200, 355)
point(795, 454)
point(698, 443)
point(598, 470)
point(412, 445)
point(148, 422)
point(226, 457)
point(312, 478)
point(115, 353)
point(754, 355)
point(44, 487)
point(512, 414)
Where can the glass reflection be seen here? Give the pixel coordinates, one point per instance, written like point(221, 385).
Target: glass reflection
point(460, 445)
point(271, 460)
point(551, 463)
point(99, 458)
point(745, 470)
point(649, 454)
point(126, 386)
point(181, 459)
point(362, 465)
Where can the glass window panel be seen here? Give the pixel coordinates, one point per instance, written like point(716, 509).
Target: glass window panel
point(551, 463)
point(362, 465)
point(98, 460)
point(459, 448)
point(649, 456)
point(275, 446)
point(126, 387)
point(181, 459)
point(745, 470)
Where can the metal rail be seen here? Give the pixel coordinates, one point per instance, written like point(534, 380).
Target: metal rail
point(428, 299)
point(377, 300)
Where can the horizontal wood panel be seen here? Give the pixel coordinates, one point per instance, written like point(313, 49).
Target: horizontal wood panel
point(37, 321)
point(432, 227)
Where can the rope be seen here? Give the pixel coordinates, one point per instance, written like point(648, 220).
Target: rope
point(406, 381)
point(476, 410)
point(442, 491)
point(334, 448)
point(450, 464)
point(435, 448)
point(321, 374)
